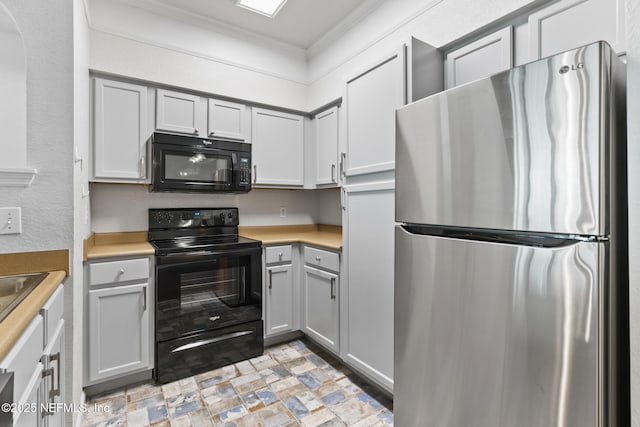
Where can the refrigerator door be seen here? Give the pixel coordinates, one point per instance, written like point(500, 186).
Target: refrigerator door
point(526, 149)
point(497, 335)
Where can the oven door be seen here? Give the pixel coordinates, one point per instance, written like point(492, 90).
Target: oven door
point(191, 168)
point(206, 290)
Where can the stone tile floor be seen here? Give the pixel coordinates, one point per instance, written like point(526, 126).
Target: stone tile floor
point(292, 384)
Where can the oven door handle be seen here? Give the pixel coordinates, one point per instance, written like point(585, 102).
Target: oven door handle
point(192, 256)
point(211, 341)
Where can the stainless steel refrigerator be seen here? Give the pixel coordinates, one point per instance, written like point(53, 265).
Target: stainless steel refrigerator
point(511, 249)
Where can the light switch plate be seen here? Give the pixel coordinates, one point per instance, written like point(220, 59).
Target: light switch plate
point(10, 221)
point(283, 212)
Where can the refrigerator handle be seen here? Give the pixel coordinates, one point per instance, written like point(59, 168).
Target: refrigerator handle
point(542, 240)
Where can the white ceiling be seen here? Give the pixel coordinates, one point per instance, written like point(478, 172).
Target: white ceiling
point(299, 23)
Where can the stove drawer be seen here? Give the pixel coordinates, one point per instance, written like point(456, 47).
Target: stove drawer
point(194, 354)
point(118, 271)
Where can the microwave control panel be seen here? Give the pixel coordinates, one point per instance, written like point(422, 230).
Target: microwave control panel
point(245, 170)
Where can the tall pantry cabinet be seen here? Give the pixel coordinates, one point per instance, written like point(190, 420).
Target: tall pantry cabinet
point(372, 97)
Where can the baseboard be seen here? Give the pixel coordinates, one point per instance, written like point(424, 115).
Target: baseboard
point(118, 383)
point(77, 422)
point(278, 339)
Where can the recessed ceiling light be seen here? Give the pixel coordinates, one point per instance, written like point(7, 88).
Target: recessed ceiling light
point(264, 7)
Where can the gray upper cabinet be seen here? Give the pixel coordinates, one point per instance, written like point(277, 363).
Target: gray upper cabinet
point(372, 98)
point(568, 24)
point(480, 58)
point(228, 120)
point(119, 131)
point(179, 112)
point(326, 126)
point(278, 148)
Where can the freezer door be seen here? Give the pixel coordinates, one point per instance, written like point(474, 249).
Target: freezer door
point(526, 149)
point(497, 335)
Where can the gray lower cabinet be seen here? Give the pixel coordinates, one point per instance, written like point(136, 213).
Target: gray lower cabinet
point(279, 291)
point(279, 299)
point(37, 362)
point(120, 319)
point(320, 290)
point(118, 331)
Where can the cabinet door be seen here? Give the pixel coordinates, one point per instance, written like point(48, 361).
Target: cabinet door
point(321, 315)
point(118, 331)
point(369, 251)
point(32, 396)
point(279, 294)
point(53, 382)
point(481, 58)
point(177, 112)
point(568, 24)
point(119, 131)
point(227, 120)
point(327, 147)
point(278, 140)
point(372, 98)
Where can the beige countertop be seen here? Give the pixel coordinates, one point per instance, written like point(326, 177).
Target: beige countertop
point(109, 245)
point(15, 323)
point(328, 236)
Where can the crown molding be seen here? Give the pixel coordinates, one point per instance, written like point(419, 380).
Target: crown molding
point(17, 177)
point(215, 25)
point(342, 27)
point(372, 42)
point(155, 43)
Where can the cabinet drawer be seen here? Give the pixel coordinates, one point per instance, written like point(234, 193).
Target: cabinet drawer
point(278, 254)
point(24, 356)
point(323, 259)
point(52, 311)
point(118, 271)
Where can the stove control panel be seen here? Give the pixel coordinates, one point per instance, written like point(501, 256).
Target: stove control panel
point(192, 218)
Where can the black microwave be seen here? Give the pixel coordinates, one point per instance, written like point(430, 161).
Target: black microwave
point(190, 164)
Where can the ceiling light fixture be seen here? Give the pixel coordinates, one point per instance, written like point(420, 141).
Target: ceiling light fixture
point(268, 8)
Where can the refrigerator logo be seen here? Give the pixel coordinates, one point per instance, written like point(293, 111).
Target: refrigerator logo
point(566, 68)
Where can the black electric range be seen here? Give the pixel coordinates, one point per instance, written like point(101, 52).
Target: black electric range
point(208, 291)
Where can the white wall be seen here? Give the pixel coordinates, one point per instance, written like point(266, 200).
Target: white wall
point(47, 207)
point(185, 51)
point(117, 207)
point(13, 104)
point(329, 209)
point(81, 222)
point(633, 147)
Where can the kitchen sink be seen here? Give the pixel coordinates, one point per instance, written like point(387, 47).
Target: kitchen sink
point(13, 289)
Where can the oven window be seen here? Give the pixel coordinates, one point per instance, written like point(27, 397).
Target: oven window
point(224, 285)
point(197, 167)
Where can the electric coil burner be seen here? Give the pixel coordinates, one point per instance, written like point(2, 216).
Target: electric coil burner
point(208, 291)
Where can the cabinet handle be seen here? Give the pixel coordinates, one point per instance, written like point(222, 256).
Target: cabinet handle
point(333, 288)
point(343, 198)
point(143, 169)
point(333, 173)
point(279, 254)
point(255, 174)
point(48, 373)
point(121, 271)
point(212, 133)
point(343, 159)
point(196, 131)
point(318, 258)
point(55, 392)
point(144, 298)
point(270, 279)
